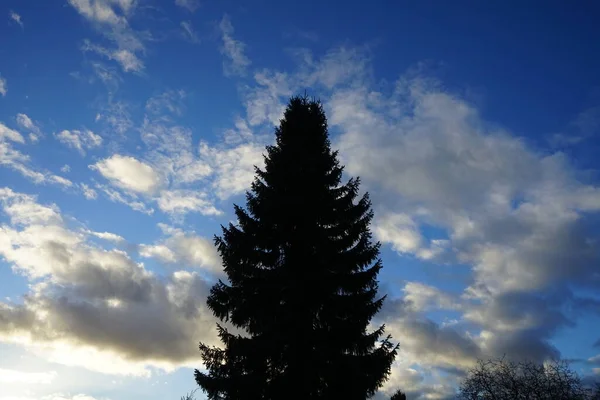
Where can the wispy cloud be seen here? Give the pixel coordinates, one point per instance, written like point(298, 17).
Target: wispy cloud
point(188, 32)
point(12, 158)
point(116, 116)
point(26, 123)
point(583, 127)
point(236, 61)
point(128, 59)
point(79, 140)
point(3, 86)
point(88, 192)
point(17, 18)
point(110, 17)
point(190, 5)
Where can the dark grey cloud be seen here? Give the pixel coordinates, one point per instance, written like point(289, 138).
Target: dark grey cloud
point(91, 300)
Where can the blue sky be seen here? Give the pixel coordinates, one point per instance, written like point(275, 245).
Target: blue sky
point(128, 128)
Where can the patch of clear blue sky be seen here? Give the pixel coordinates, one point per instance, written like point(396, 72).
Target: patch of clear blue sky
point(531, 67)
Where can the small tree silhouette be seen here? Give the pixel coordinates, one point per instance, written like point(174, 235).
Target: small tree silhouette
point(398, 396)
point(500, 379)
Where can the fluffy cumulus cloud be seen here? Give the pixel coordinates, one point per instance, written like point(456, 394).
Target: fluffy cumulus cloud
point(454, 190)
point(515, 216)
point(129, 173)
point(97, 307)
point(179, 247)
point(458, 194)
point(175, 174)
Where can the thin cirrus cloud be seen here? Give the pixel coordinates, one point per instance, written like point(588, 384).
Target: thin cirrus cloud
point(236, 62)
point(111, 19)
point(3, 86)
point(11, 157)
point(188, 32)
point(26, 123)
point(17, 18)
point(190, 5)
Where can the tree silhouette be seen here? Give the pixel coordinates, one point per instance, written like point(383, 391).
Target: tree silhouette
point(398, 396)
point(302, 273)
point(499, 379)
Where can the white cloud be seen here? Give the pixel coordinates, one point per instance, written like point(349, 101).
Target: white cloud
point(54, 396)
point(79, 140)
point(102, 11)
point(179, 247)
point(127, 198)
point(234, 166)
point(92, 307)
point(65, 169)
point(117, 116)
point(190, 5)
point(266, 102)
point(402, 232)
point(399, 230)
point(129, 173)
point(3, 89)
point(110, 17)
point(159, 251)
point(108, 236)
point(169, 102)
point(511, 215)
point(188, 32)
point(128, 60)
point(450, 188)
point(421, 297)
point(16, 160)
point(232, 49)
point(17, 18)
point(440, 158)
point(88, 192)
point(10, 376)
point(59, 396)
point(184, 201)
point(108, 75)
point(26, 123)
point(10, 134)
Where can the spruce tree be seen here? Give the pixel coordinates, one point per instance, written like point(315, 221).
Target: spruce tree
point(302, 279)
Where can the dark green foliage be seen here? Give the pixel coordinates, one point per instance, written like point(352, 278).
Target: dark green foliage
point(302, 279)
point(398, 396)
